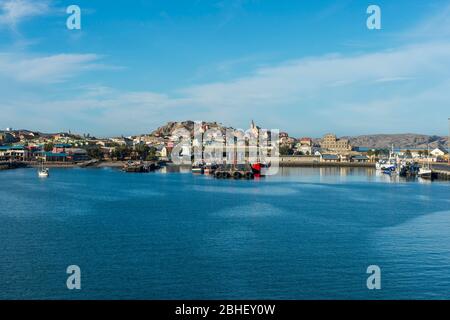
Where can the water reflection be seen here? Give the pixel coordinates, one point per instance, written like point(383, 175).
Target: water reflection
point(321, 174)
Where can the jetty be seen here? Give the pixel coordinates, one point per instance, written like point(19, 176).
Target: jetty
point(89, 163)
point(139, 167)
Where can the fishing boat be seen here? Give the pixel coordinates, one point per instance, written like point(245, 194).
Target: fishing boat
point(387, 165)
point(409, 170)
point(425, 171)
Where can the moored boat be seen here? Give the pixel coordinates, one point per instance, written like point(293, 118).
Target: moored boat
point(425, 171)
point(409, 170)
point(197, 169)
point(43, 172)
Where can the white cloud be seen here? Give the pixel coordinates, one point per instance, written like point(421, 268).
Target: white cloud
point(296, 80)
point(47, 69)
point(12, 12)
point(347, 93)
point(435, 26)
point(402, 89)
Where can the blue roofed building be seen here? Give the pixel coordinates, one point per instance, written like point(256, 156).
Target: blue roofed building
point(53, 156)
point(329, 158)
point(15, 153)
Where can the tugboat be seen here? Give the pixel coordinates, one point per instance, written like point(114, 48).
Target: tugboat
point(258, 167)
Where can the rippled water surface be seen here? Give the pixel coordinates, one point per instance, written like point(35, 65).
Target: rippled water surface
point(306, 233)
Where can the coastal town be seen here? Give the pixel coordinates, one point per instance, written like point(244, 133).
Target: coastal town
point(26, 147)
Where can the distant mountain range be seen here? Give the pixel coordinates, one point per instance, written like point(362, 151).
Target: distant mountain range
point(404, 141)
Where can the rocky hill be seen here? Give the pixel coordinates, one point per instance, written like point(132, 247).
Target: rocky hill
point(170, 127)
point(404, 141)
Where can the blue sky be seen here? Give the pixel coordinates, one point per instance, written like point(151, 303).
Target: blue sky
point(306, 67)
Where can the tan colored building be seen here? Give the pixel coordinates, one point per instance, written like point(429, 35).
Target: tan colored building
point(331, 143)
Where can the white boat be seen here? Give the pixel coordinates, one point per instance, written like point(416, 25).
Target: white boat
point(388, 164)
point(43, 172)
point(197, 168)
point(385, 164)
point(425, 171)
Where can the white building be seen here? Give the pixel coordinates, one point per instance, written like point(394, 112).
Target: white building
point(438, 152)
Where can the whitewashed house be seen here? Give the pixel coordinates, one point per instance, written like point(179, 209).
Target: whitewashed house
point(438, 152)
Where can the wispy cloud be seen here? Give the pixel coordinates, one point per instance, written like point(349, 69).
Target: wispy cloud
point(298, 79)
point(47, 69)
point(363, 92)
point(434, 26)
point(329, 88)
point(230, 9)
point(13, 12)
point(393, 79)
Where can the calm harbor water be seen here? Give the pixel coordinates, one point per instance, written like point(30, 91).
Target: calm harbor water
point(307, 233)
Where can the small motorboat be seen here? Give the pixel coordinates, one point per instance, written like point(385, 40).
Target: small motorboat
point(197, 169)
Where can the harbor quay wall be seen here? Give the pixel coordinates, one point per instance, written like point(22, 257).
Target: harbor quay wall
point(5, 165)
point(314, 161)
point(441, 171)
point(442, 175)
point(55, 164)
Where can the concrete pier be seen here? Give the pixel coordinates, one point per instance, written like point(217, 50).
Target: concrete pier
point(441, 171)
